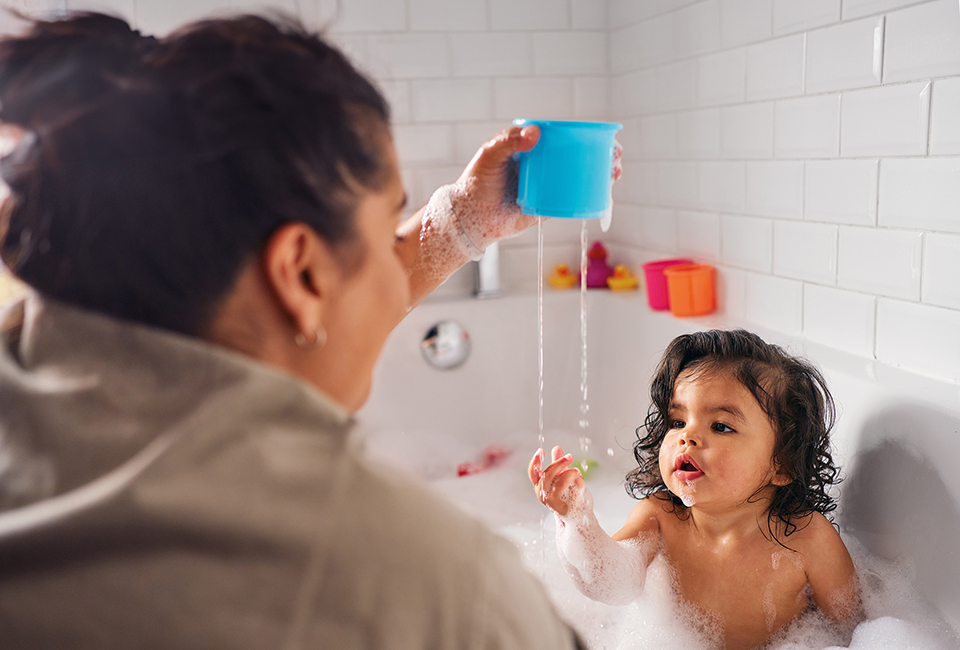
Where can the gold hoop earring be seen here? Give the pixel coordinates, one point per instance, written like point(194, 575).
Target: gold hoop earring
point(319, 340)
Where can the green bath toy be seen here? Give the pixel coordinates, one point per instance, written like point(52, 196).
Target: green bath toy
point(586, 467)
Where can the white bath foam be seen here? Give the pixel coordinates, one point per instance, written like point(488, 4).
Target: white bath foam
point(890, 595)
point(889, 633)
point(429, 455)
point(897, 617)
point(687, 489)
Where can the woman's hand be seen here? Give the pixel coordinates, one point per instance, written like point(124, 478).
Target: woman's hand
point(462, 219)
point(482, 198)
point(558, 486)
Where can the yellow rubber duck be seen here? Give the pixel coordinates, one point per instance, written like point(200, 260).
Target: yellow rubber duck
point(561, 278)
point(622, 279)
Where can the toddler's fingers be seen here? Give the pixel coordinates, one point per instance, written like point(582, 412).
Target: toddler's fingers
point(557, 453)
point(554, 468)
point(564, 479)
point(535, 471)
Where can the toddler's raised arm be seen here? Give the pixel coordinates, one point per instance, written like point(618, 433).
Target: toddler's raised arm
point(603, 569)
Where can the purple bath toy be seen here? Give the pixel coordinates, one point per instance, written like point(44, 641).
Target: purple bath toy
point(597, 268)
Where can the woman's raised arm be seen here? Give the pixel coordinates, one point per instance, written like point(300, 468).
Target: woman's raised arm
point(462, 219)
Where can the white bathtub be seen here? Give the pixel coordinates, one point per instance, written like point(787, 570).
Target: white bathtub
point(897, 439)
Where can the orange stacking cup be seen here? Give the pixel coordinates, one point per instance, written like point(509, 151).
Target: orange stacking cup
point(691, 289)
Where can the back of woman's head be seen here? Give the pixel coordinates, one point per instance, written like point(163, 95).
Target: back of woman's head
point(153, 170)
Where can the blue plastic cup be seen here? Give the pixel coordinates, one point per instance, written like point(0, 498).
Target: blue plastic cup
point(570, 172)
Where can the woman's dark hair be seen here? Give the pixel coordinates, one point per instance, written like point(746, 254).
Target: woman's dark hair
point(790, 391)
point(152, 170)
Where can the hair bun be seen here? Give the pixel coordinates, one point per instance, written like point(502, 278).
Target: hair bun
point(57, 67)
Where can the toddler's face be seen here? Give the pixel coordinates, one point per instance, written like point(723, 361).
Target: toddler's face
point(719, 449)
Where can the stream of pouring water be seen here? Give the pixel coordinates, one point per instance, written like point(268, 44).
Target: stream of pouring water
point(543, 546)
point(584, 405)
point(540, 326)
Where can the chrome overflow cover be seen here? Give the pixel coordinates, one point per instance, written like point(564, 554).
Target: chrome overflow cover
point(446, 345)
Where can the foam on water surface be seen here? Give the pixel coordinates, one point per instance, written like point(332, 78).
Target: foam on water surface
point(897, 617)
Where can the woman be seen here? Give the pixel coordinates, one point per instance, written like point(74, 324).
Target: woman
point(210, 224)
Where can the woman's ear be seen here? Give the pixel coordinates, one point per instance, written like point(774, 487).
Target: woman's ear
point(301, 271)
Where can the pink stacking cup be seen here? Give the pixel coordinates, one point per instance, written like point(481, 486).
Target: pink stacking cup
point(658, 295)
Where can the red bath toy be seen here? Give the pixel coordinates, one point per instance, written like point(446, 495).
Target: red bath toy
point(492, 456)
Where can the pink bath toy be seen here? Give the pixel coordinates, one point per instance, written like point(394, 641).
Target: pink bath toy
point(597, 268)
point(492, 456)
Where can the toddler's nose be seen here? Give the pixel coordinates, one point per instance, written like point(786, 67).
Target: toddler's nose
point(687, 439)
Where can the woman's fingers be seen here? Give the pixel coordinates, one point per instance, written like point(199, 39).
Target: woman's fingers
point(617, 160)
point(491, 159)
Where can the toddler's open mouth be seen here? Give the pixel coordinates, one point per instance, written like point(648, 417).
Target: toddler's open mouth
point(686, 469)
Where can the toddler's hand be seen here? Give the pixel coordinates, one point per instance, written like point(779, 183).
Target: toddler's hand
point(558, 486)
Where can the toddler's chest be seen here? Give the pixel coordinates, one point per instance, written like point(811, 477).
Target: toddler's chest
point(751, 592)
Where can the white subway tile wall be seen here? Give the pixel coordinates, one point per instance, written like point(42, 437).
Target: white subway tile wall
point(944, 125)
point(841, 191)
point(843, 319)
point(887, 121)
point(746, 242)
point(698, 235)
point(842, 56)
point(721, 185)
point(922, 41)
point(790, 16)
point(775, 68)
point(941, 270)
point(805, 251)
point(775, 188)
point(745, 21)
point(835, 176)
point(774, 302)
point(809, 148)
point(808, 127)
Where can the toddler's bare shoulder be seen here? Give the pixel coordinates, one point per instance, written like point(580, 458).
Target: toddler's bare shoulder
point(815, 535)
point(645, 517)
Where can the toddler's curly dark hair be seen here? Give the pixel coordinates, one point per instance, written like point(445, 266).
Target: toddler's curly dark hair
point(792, 393)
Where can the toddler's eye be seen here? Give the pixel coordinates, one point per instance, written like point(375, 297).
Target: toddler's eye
point(677, 424)
point(720, 427)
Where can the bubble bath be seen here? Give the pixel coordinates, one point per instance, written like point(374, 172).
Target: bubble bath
point(897, 617)
point(900, 496)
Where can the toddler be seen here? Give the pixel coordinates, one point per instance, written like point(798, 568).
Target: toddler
point(733, 474)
